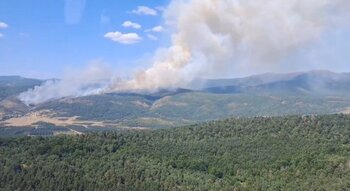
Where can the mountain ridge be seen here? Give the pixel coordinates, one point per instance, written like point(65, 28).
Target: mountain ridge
point(304, 93)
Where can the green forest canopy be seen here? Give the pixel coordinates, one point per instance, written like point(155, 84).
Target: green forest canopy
point(271, 153)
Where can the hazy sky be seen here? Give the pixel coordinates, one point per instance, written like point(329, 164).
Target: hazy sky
point(44, 38)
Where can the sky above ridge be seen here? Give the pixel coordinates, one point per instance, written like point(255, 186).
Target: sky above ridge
point(47, 38)
point(43, 38)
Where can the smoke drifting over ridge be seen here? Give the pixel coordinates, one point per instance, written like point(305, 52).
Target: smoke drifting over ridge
point(93, 80)
point(215, 37)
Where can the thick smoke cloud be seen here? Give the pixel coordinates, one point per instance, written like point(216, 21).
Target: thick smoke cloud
point(216, 37)
point(212, 38)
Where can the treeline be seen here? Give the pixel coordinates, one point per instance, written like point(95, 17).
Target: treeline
point(279, 153)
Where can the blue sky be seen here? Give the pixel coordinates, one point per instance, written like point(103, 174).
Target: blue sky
point(45, 37)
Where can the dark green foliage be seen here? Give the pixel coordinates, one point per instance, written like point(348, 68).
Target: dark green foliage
point(278, 153)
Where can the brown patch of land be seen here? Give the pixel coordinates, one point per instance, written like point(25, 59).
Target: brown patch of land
point(152, 120)
point(275, 98)
point(346, 110)
point(76, 101)
point(141, 104)
point(233, 106)
point(48, 117)
point(167, 101)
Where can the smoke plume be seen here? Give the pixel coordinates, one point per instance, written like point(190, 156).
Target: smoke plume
point(93, 80)
point(211, 38)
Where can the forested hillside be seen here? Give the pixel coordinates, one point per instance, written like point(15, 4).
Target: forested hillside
point(278, 153)
point(305, 93)
point(12, 85)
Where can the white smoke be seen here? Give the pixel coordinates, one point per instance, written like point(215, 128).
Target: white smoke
point(95, 79)
point(216, 37)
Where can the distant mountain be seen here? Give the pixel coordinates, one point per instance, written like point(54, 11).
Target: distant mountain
point(254, 80)
point(18, 81)
point(12, 85)
point(317, 82)
point(315, 92)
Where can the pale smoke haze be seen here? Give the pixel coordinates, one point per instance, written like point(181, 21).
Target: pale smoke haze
point(211, 38)
point(93, 80)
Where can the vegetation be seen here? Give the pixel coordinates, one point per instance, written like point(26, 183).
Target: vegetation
point(263, 153)
point(315, 92)
point(193, 107)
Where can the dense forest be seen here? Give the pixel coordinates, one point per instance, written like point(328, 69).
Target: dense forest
point(262, 153)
